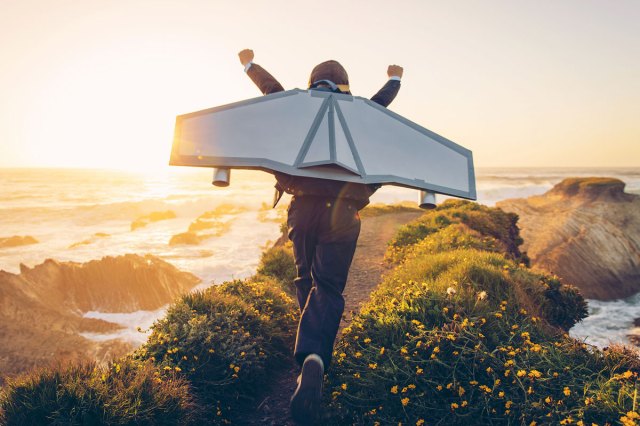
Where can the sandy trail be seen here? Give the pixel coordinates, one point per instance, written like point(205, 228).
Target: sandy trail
point(366, 273)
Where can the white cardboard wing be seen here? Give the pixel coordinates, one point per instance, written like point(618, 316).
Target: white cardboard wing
point(324, 135)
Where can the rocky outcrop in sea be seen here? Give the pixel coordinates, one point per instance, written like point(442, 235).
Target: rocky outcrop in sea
point(586, 231)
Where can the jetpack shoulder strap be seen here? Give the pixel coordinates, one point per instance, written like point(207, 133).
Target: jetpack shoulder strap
point(277, 195)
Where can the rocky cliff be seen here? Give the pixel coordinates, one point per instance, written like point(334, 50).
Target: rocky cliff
point(586, 231)
point(42, 308)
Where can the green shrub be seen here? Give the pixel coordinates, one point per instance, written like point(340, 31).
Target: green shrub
point(125, 393)
point(490, 225)
point(278, 262)
point(226, 341)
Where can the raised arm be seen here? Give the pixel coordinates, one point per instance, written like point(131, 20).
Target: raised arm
point(261, 77)
point(389, 91)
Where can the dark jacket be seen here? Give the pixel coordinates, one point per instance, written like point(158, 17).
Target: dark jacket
point(307, 186)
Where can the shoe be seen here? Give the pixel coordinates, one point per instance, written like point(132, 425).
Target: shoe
point(306, 400)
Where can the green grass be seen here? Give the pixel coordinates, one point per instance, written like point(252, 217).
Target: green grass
point(380, 209)
point(277, 263)
point(462, 332)
point(125, 393)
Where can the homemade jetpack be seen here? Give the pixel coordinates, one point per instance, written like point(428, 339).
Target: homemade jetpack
point(323, 135)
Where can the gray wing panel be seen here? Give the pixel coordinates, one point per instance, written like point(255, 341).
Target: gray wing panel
point(266, 128)
point(392, 146)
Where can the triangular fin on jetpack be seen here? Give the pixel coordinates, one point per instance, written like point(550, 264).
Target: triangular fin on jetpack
point(327, 142)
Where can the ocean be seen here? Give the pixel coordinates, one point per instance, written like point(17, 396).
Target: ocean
point(81, 215)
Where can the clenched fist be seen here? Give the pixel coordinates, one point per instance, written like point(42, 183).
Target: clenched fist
point(394, 71)
point(245, 56)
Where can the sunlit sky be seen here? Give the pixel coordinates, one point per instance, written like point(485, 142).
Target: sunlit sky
point(88, 83)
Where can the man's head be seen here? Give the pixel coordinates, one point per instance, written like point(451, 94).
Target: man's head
point(332, 71)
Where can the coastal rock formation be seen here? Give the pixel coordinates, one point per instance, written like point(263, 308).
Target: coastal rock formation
point(586, 231)
point(215, 222)
point(112, 284)
point(16, 241)
point(42, 308)
point(91, 240)
point(143, 221)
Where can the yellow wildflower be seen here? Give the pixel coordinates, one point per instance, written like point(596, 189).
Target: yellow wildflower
point(633, 415)
point(566, 391)
point(404, 401)
point(394, 389)
point(535, 374)
point(485, 388)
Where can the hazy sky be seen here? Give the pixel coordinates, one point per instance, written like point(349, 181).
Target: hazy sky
point(521, 83)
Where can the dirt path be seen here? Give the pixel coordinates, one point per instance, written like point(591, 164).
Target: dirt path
point(366, 271)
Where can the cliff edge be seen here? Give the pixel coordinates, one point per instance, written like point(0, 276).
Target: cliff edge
point(586, 231)
point(42, 308)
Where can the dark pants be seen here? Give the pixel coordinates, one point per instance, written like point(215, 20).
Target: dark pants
point(324, 233)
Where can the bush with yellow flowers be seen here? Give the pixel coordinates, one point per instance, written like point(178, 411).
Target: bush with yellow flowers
point(225, 341)
point(462, 332)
